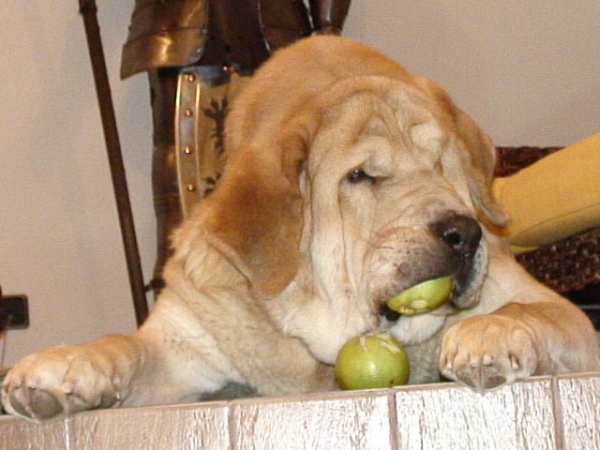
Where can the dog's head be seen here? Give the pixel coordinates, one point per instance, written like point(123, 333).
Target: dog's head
point(350, 180)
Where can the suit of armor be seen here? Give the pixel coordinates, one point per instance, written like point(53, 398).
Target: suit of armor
point(198, 55)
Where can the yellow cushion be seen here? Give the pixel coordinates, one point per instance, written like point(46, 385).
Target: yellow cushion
point(556, 197)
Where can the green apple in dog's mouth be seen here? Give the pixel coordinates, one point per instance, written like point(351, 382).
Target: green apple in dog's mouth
point(422, 297)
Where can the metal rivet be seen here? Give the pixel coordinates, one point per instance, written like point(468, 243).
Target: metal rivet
point(188, 112)
point(191, 187)
point(190, 77)
point(188, 149)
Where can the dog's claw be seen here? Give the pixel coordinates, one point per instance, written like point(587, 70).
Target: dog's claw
point(37, 404)
point(481, 378)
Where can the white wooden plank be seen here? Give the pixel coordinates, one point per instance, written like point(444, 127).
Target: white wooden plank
point(177, 427)
point(19, 434)
point(447, 416)
point(330, 421)
point(579, 402)
point(444, 416)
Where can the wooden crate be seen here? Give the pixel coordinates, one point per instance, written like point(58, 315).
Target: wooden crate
point(541, 413)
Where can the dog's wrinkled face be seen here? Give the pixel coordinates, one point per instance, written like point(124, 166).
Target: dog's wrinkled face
point(386, 208)
point(403, 219)
point(349, 188)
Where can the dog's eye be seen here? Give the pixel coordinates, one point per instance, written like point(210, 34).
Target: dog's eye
point(359, 175)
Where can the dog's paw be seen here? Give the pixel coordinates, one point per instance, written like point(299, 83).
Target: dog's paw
point(58, 380)
point(485, 352)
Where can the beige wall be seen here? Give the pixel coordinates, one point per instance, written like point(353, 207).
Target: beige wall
point(528, 71)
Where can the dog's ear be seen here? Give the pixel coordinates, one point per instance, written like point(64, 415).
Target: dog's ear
point(255, 215)
point(483, 162)
point(479, 148)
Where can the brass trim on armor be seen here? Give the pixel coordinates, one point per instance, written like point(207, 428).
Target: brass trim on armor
point(186, 109)
point(202, 101)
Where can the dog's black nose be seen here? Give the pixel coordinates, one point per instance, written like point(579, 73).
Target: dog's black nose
point(461, 233)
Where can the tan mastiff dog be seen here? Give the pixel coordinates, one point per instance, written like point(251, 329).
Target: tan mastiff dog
point(349, 180)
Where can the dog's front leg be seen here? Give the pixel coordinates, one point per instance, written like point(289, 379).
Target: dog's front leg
point(67, 379)
point(530, 330)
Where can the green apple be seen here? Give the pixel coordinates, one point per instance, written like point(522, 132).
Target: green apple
point(372, 361)
point(422, 297)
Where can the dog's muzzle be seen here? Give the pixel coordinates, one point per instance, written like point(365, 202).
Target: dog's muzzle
point(458, 239)
point(460, 236)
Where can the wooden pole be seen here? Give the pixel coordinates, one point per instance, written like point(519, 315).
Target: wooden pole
point(88, 10)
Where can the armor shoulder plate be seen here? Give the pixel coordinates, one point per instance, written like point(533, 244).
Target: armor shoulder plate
point(284, 22)
point(164, 33)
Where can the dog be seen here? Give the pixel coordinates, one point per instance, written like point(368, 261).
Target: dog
point(349, 180)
